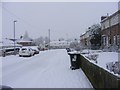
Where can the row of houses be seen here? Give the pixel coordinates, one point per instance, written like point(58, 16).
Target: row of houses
point(110, 32)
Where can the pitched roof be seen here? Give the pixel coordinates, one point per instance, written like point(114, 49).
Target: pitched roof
point(25, 38)
point(7, 42)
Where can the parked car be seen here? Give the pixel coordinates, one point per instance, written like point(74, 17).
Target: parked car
point(35, 49)
point(68, 49)
point(26, 51)
point(2, 52)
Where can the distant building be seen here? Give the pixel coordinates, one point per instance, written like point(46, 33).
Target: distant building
point(7, 46)
point(85, 39)
point(110, 30)
point(61, 44)
point(7, 43)
point(25, 40)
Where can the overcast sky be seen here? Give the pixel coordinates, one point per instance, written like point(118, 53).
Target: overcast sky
point(65, 20)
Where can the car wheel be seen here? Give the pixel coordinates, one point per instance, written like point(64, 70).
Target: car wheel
point(19, 55)
point(30, 55)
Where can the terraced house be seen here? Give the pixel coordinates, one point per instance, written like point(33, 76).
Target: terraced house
point(110, 30)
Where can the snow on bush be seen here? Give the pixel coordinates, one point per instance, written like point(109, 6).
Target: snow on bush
point(114, 67)
point(93, 57)
point(106, 60)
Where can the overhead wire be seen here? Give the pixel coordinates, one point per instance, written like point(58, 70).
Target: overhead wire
point(21, 19)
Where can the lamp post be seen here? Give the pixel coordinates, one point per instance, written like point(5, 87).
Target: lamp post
point(49, 37)
point(14, 36)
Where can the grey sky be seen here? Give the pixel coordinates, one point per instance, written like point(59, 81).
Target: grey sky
point(65, 20)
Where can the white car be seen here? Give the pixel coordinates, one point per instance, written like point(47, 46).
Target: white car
point(26, 51)
point(35, 49)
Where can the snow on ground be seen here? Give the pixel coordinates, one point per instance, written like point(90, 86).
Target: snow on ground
point(106, 57)
point(49, 69)
point(103, 57)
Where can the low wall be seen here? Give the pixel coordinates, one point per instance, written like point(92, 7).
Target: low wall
point(98, 77)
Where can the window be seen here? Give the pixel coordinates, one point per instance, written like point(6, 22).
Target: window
point(114, 39)
point(118, 40)
point(104, 40)
point(24, 49)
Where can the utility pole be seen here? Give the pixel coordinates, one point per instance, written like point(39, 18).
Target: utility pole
point(109, 34)
point(14, 36)
point(49, 37)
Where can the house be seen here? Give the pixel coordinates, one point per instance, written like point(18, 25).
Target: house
point(25, 40)
point(7, 46)
point(60, 44)
point(110, 30)
point(8, 43)
point(85, 39)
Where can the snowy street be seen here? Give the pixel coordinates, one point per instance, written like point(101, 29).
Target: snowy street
point(49, 69)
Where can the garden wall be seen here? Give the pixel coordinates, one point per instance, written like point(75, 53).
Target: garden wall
point(98, 77)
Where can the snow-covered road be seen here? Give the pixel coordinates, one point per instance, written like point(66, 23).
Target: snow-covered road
point(49, 69)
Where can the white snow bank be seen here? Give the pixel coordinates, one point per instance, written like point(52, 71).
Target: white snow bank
point(103, 58)
point(106, 57)
point(87, 51)
point(74, 52)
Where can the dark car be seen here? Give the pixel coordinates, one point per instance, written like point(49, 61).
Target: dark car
point(68, 49)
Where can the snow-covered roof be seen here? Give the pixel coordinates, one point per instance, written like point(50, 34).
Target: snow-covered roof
point(24, 41)
point(25, 38)
point(7, 42)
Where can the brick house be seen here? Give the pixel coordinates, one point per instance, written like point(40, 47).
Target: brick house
point(85, 39)
point(110, 30)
